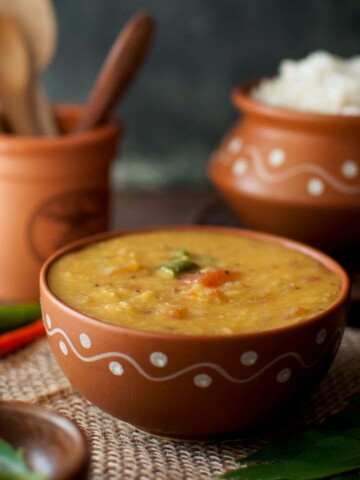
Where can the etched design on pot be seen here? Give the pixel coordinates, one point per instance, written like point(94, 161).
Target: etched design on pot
point(284, 375)
point(321, 336)
point(314, 187)
point(297, 170)
point(202, 380)
point(64, 348)
point(350, 169)
point(66, 218)
point(276, 157)
point(48, 321)
point(235, 145)
point(249, 358)
point(240, 167)
point(116, 368)
point(85, 340)
point(196, 366)
point(159, 359)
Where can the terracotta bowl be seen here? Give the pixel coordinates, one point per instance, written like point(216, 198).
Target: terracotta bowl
point(185, 386)
point(292, 173)
point(53, 445)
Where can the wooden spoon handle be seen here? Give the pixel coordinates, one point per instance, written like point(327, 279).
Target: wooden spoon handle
point(119, 69)
point(45, 115)
point(20, 113)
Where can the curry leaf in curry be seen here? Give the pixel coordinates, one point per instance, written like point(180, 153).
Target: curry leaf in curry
point(13, 466)
point(330, 451)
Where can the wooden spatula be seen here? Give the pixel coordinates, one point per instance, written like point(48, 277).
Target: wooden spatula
point(17, 79)
point(37, 20)
point(118, 71)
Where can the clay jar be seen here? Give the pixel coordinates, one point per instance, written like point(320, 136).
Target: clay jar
point(53, 191)
point(292, 173)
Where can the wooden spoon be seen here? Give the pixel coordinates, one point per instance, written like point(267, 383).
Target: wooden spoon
point(53, 445)
point(17, 79)
point(119, 69)
point(37, 20)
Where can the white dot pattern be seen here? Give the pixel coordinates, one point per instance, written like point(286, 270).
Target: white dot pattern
point(284, 375)
point(315, 187)
point(276, 157)
point(240, 167)
point(116, 368)
point(63, 348)
point(48, 321)
point(235, 145)
point(85, 340)
point(321, 336)
point(350, 169)
point(159, 359)
point(249, 358)
point(202, 380)
point(337, 345)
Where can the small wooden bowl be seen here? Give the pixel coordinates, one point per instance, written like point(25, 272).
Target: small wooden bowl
point(53, 445)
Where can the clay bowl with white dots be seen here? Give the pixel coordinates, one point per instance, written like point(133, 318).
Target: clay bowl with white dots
point(292, 173)
point(192, 386)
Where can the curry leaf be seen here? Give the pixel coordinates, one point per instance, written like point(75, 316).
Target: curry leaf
point(13, 466)
point(331, 451)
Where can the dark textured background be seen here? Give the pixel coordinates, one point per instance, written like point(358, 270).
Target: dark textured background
point(179, 107)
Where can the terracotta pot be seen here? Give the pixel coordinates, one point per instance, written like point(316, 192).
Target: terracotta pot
point(52, 191)
point(292, 173)
point(192, 386)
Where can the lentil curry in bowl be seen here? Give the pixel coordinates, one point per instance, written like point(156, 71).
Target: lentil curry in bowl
point(194, 283)
point(181, 331)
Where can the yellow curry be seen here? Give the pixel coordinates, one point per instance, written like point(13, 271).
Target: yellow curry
point(193, 282)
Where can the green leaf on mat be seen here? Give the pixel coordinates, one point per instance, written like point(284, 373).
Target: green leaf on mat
point(349, 476)
point(330, 451)
point(13, 466)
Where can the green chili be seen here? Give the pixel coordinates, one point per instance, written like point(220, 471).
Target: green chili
point(14, 316)
point(181, 253)
point(176, 267)
point(205, 260)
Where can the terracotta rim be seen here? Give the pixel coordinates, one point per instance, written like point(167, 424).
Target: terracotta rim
point(16, 143)
point(241, 98)
point(58, 422)
point(324, 259)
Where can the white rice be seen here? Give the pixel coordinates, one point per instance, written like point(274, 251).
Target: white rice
point(321, 83)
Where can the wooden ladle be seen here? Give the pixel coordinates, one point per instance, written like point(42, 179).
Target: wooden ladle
point(37, 20)
point(118, 71)
point(17, 79)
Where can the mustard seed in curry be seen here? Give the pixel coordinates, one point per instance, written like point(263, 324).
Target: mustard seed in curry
point(193, 282)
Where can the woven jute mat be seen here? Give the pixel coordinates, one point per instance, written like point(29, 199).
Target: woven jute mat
point(120, 452)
